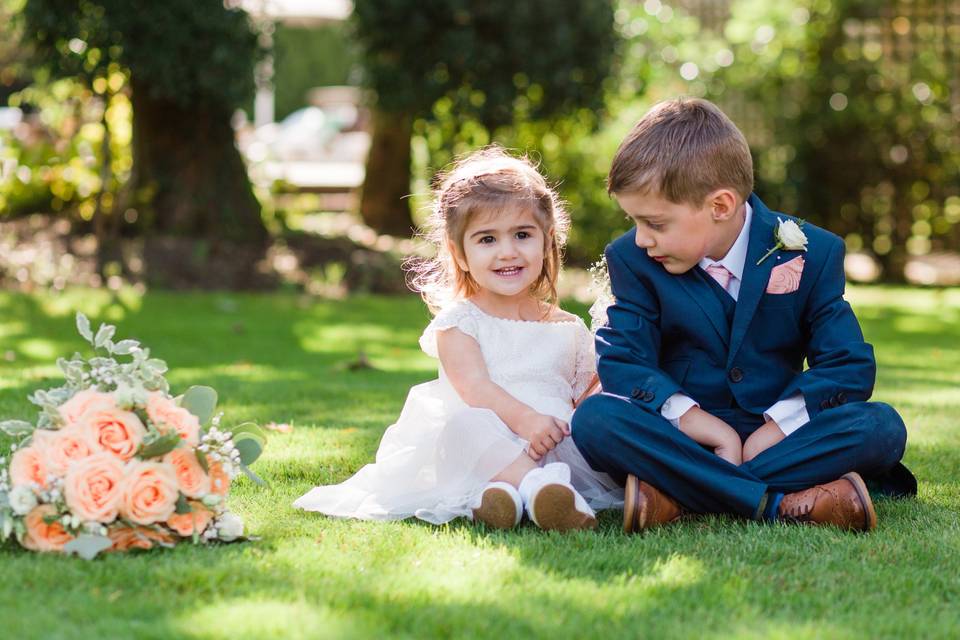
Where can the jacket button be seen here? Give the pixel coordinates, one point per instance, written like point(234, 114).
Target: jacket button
point(841, 397)
point(834, 401)
point(636, 393)
point(825, 404)
point(736, 374)
point(648, 396)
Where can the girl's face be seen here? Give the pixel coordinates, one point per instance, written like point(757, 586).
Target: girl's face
point(503, 251)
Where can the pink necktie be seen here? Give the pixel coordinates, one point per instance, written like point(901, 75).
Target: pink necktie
point(721, 274)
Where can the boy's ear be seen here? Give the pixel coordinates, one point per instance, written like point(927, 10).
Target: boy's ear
point(722, 204)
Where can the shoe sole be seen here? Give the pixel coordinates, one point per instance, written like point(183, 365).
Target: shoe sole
point(870, 515)
point(631, 493)
point(554, 509)
point(497, 509)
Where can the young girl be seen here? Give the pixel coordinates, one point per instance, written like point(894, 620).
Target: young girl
point(491, 436)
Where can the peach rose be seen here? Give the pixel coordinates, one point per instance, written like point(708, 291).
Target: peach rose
point(66, 446)
point(165, 415)
point(115, 430)
point(41, 536)
point(126, 538)
point(93, 488)
point(84, 401)
point(219, 480)
point(29, 466)
point(193, 482)
point(150, 494)
point(186, 524)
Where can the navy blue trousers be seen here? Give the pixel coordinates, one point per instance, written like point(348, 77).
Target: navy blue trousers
point(619, 437)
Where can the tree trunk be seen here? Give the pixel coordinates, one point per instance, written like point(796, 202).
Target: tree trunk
point(190, 178)
point(384, 204)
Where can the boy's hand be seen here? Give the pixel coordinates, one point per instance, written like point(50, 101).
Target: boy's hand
point(762, 439)
point(710, 430)
point(543, 432)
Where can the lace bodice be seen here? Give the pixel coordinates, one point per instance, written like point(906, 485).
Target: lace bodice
point(544, 358)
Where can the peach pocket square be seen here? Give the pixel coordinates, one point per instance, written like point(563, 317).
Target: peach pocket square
point(785, 278)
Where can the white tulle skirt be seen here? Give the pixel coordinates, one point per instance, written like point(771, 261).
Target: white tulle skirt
point(435, 461)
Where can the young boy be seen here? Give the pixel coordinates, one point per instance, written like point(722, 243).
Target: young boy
point(706, 406)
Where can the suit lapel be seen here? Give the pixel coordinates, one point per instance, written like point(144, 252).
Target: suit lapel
point(695, 284)
point(755, 277)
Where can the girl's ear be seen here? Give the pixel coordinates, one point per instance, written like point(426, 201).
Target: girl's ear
point(458, 257)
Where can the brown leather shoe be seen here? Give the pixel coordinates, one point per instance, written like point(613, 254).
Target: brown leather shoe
point(843, 503)
point(646, 506)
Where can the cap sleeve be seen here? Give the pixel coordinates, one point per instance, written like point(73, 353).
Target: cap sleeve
point(460, 315)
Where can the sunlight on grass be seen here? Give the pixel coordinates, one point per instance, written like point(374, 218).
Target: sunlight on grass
point(285, 358)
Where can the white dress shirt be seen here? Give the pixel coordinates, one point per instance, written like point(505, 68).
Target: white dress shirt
point(790, 413)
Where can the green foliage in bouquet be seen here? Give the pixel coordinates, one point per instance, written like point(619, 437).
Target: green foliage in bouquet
point(114, 463)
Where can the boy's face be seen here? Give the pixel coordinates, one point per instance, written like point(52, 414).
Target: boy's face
point(677, 236)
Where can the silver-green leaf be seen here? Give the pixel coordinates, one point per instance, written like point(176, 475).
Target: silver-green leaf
point(87, 546)
point(83, 327)
point(201, 402)
point(16, 428)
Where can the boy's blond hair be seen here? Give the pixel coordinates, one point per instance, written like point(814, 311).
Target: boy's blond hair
point(683, 150)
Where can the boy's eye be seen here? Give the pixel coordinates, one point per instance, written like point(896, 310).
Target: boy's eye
point(655, 226)
point(487, 240)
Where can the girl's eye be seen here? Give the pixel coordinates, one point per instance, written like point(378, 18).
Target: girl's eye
point(523, 235)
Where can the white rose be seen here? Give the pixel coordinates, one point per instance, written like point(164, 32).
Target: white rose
point(22, 500)
point(229, 527)
point(790, 236)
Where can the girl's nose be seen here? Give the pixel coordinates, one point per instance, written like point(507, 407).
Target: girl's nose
point(507, 249)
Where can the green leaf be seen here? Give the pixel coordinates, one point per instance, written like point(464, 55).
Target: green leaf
point(182, 505)
point(87, 546)
point(83, 327)
point(249, 447)
point(16, 428)
point(201, 402)
point(250, 474)
point(159, 445)
point(6, 526)
point(202, 459)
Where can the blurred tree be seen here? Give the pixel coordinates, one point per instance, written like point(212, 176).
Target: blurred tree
point(479, 64)
point(851, 108)
point(187, 65)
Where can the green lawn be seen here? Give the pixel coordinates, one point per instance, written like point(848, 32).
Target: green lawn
point(283, 358)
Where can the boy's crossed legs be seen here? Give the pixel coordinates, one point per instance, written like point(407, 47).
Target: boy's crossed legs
point(616, 436)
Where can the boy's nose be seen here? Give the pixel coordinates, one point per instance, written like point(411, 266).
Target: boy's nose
point(643, 240)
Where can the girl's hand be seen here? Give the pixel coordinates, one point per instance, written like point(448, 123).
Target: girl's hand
point(543, 432)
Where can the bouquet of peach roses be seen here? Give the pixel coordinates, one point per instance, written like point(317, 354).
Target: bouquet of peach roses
point(115, 463)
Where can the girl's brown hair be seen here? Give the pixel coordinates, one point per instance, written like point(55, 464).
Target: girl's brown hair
point(487, 181)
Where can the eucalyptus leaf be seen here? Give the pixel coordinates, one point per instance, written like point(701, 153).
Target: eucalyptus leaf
point(87, 545)
point(16, 428)
point(249, 448)
point(83, 327)
point(250, 428)
point(6, 526)
point(250, 474)
point(159, 446)
point(201, 402)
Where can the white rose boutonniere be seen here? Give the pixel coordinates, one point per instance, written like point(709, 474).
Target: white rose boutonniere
point(789, 236)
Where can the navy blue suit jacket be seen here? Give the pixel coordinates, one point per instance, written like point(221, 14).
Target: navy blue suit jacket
point(669, 333)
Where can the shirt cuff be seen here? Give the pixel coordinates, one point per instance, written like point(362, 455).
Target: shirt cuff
point(675, 406)
point(790, 414)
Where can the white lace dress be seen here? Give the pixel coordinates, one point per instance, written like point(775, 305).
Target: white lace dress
point(440, 454)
